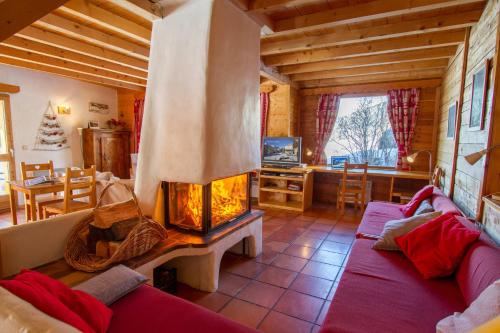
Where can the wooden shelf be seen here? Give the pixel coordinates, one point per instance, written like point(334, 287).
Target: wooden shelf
point(280, 190)
point(298, 179)
point(289, 205)
point(279, 196)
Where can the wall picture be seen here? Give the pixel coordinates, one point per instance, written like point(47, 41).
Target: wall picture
point(93, 124)
point(452, 118)
point(98, 108)
point(478, 99)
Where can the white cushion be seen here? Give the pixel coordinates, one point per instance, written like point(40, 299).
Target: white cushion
point(17, 315)
point(483, 309)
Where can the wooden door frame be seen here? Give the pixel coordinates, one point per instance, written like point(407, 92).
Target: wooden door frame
point(10, 137)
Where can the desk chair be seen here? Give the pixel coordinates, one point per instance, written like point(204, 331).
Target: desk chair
point(78, 184)
point(352, 188)
point(29, 171)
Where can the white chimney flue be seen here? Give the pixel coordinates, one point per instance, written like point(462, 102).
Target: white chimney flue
point(201, 117)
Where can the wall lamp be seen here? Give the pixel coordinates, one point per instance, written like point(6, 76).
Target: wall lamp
point(411, 159)
point(474, 157)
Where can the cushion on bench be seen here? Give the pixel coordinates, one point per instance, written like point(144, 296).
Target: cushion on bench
point(381, 291)
point(147, 309)
point(479, 268)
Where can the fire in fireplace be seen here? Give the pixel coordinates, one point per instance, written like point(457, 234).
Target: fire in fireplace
point(203, 208)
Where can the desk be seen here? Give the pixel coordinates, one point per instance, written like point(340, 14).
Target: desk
point(385, 177)
point(32, 192)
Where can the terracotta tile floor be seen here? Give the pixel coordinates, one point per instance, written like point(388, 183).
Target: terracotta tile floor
point(289, 287)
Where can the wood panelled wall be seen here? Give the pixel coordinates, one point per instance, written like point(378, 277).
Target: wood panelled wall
point(282, 119)
point(468, 179)
point(126, 100)
point(423, 139)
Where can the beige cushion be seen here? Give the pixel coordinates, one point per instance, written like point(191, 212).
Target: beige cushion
point(17, 315)
point(396, 228)
point(485, 308)
point(424, 207)
point(110, 286)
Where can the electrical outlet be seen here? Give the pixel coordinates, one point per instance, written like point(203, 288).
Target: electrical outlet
point(25, 147)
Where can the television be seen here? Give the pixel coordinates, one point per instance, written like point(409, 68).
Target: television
point(282, 151)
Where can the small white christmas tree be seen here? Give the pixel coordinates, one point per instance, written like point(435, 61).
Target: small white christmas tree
point(50, 134)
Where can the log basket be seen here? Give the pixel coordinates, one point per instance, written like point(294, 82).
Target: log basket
point(144, 236)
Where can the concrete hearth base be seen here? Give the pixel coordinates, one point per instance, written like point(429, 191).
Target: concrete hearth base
point(199, 267)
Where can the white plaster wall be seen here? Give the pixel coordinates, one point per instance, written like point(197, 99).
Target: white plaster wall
point(27, 107)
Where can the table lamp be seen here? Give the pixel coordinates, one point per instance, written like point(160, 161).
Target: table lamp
point(474, 157)
point(411, 159)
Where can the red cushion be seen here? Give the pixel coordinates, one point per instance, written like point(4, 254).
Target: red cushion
point(441, 202)
point(147, 309)
point(436, 247)
point(52, 297)
point(380, 291)
point(420, 196)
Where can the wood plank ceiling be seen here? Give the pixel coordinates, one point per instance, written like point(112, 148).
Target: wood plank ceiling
point(313, 43)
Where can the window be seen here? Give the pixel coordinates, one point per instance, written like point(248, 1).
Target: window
point(363, 133)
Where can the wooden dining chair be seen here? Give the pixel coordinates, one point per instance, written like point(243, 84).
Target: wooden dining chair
point(30, 171)
point(352, 187)
point(78, 184)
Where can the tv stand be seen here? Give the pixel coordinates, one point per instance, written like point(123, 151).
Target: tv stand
point(274, 190)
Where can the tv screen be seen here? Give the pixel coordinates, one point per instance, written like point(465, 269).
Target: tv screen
point(281, 150)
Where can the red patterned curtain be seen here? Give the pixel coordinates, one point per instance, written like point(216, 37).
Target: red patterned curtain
point(264, 110)
point(402, 109)
point(326, 114)
point(138, 113)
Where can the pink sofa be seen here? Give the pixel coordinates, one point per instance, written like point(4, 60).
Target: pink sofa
point(381, 291)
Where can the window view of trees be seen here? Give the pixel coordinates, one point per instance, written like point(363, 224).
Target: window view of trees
point(363, 132)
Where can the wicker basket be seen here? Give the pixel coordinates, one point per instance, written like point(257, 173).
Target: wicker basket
point(141, 239)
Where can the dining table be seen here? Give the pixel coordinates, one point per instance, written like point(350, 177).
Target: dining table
point(32, 191)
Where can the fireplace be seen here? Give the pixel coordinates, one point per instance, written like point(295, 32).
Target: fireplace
point(204, 208)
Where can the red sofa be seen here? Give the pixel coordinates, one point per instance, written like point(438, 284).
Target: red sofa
point(147, 309)
point(381, 291)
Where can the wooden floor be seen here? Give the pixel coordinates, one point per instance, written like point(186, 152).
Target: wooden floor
point(290, 286)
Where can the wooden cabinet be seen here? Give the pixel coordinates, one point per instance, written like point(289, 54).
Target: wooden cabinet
point(108, 150)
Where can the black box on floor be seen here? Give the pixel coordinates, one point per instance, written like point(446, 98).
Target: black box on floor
point(165, 279)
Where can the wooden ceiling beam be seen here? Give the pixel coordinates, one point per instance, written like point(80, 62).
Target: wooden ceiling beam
point(347, 35)
point(92, 36)
point(53, 39)
point(376, 9)
point(88, 12)
point(68, 73)
point(63, 64)
point(376, 69)
point(273, 74)
point(9, 88)
point(372, 87)
point(17, 14)
point(146, 9)
point(70, 56)
point(429, 40)
point(386, 77)
point(266, 24)
point(445, 52)
point(269, 5)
